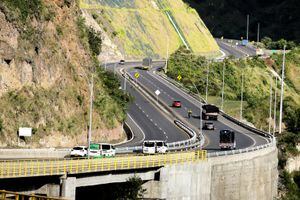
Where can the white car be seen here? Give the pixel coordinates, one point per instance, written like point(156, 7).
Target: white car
point(80, 151)
point(154, 146)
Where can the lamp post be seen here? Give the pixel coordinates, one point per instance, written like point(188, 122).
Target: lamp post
point(242, 93)
point(270, 109)
point(200, 109)
point(167, 57)
point(223, 84)
point(281, 93)
point(91, 115)
point(275, 105)
point(206, 89)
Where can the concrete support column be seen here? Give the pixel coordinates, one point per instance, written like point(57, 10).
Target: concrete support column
point(68, 187)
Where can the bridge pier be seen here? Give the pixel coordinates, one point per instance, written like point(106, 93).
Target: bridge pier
point(68, 187)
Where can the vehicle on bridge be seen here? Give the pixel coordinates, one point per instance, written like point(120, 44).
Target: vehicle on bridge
point(154, 146)
point(210, 111)
point(79, 151)
point(227, 139)
point(99, 150)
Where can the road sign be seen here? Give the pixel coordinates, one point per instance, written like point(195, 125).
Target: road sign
point(157, 92)
point(136, 75)
point(179, 77)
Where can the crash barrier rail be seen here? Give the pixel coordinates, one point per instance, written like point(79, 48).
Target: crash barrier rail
point(185, 144)
point(18, 196)
point(30, 168)
point(239, 151)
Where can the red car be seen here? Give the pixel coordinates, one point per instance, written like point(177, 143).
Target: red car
point(176, 104)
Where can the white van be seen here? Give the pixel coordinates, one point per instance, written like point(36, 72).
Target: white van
point(99, 150)
point(154, 146)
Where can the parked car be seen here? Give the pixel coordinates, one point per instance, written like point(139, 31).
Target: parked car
point(176, 104)
point(122, 62)
point(208, 126)
point(79, 151)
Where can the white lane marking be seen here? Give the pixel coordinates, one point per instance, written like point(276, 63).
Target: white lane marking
point(138, 128)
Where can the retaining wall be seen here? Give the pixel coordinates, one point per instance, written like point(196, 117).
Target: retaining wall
point(252, 176)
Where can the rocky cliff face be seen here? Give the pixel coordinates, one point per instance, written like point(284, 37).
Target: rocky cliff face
point(45, 65)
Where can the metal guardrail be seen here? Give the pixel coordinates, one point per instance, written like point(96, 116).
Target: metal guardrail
point(18, 196)
point(30, 168)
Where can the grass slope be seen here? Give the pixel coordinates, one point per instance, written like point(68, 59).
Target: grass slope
point(141, 28)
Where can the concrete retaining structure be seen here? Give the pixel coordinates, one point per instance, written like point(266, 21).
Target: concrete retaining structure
point(252, 176)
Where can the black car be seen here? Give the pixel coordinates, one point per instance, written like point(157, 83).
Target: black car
point(122, 62)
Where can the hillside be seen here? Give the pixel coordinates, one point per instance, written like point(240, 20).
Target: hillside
point(278, 19)
point(47, 56)
point(142, 28)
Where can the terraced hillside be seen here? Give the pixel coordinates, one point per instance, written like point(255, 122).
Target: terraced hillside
point(144, 27)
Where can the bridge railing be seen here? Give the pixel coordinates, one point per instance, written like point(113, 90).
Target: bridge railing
point(17, 196)
point(30, 168)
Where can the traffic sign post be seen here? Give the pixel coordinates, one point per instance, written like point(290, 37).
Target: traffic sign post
point(179, 77)
point(157, 92)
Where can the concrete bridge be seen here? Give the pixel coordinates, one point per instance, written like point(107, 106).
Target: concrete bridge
point(180, 175)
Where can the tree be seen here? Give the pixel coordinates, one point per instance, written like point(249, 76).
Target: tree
point(132, 189)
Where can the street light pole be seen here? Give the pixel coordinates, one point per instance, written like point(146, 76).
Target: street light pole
point(258, 27)
point(91, 114)
point(248, 27)
point(167, 57)
point(281, 93)
point(275, 105)
point(242, 93)
point(200, 109)
point(206, 90)
point(223, 83)
point(270, 111)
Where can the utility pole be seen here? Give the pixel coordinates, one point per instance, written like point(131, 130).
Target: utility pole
point(223, 84)
point(206, 90)
point(125, 82)
point(281, 93)
point(270, 111)
point(258, 27)
point(275, 105)
point(167, 57)
point(248, 27)
point(91, 114)
point(242, 93)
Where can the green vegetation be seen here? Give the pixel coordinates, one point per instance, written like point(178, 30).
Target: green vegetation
point(132, 189)
point(291, 183)
point(269, 44)
point(140, 28)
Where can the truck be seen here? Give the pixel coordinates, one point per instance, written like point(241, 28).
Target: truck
point(147, 62)
point(227, 140)
point(210, 111)
point(244, 42)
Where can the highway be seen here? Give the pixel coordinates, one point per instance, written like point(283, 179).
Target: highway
point(229, 47)
point(150, 122)
point(169, 93)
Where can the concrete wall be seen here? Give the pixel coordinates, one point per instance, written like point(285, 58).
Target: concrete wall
point(252, 176)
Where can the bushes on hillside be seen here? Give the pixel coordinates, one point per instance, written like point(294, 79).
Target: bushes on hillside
point(269, 44)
